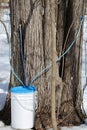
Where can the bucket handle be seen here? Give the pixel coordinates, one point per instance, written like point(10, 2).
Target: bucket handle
point(23, 106)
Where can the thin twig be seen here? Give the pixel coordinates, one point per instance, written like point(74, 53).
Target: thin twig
point(5, 31)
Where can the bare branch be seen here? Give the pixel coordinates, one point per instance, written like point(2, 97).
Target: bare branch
point(5, 30)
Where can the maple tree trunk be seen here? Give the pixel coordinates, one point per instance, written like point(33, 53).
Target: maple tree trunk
point(72, 93)
point(35, 18)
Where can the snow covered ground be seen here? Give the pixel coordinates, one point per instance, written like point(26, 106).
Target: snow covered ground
point(84, 64)
point(4, 60)
point(81, 127)
point(5, 71)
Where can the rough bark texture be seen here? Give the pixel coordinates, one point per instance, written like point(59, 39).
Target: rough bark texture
point(35, 18)
point(72, 98)
point(53, 70)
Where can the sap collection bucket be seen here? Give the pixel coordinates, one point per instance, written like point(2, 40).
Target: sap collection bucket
point(22, 107)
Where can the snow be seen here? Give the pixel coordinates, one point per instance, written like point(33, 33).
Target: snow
point(4, 59)
point(6, 128)
point(84, 64)
point(5, 71)
point(81, 127)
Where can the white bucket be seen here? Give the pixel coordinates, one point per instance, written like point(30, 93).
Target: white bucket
point(22, 107)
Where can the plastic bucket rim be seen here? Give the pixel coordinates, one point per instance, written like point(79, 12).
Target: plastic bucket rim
point(23, 89)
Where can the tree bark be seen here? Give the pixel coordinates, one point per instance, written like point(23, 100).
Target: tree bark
point(53, 71)
point(35, 18)
point(72, 93)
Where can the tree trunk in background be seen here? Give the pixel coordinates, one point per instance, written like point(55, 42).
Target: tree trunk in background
point(35, 18)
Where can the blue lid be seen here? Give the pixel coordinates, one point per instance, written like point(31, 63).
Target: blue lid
point(23, 89)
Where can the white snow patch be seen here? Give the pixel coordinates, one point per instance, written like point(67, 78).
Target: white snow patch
point(84, 64)
point(81, 127)
point(2, 124)
point(4, 69)
point(4, 61)
point(6, 128)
